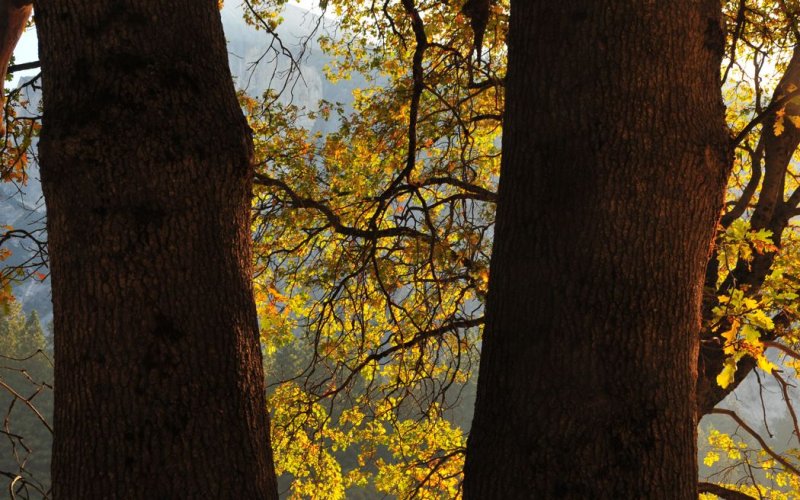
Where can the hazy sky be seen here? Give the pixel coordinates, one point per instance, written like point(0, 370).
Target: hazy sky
point(26, 51)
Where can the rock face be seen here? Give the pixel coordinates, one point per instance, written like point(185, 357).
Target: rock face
point(255, 68)
point(22, 207)
point(257, 63)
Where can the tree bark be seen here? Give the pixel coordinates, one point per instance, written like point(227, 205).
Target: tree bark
point(615, 157)
point(146, 170)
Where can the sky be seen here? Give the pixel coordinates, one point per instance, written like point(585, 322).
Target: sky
point(26, 51)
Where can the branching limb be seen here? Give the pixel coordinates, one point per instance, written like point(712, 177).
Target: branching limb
point(418, 339)
point(764, 446)
point(27, 403)
point(334, 220)
point(722, 492)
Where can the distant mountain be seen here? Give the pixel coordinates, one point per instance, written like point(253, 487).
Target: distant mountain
point(22, 207)
point(256, 67)
point(257, 64)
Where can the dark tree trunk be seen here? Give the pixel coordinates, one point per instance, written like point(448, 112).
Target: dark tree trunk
point(615, 161)
point(146, 169)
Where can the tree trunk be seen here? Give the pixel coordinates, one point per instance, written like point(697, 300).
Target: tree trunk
point(615, 157)
point(146, 169)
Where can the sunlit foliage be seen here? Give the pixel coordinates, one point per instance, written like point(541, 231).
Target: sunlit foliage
point(372, 246)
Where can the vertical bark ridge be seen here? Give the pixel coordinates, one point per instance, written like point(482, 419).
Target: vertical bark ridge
point(146, 170)
point(615, 156)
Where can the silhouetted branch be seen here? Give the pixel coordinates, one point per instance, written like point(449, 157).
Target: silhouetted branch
point(722, 492)
point(22, 67)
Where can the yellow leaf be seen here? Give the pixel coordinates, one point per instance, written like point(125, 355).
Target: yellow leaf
point(712, 457)
point(759, 319)
point(765, 364)
point(731, 333)
point(777, 127)
point(725, 377)
point(730, 336)
point(751, 335)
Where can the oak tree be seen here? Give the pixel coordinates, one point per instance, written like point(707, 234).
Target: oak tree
point(146, 170)
point(615, 156)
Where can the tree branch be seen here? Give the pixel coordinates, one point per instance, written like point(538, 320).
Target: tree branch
point(722, 492)
point(419, 338)
point(23, 66)
point(764, 446)
point(334, 220)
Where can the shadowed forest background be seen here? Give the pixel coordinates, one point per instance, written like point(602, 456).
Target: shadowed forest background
point(377, 161)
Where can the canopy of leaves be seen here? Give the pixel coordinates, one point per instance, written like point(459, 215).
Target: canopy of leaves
point(372, 245)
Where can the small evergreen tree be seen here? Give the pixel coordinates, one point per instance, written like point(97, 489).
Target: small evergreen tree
point(26, 404)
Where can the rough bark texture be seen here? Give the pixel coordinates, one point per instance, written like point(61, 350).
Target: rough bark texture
point(615, 160)
point(146, 169)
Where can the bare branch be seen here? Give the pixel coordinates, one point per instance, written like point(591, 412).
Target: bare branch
point(764, 446)
point(335, 221)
